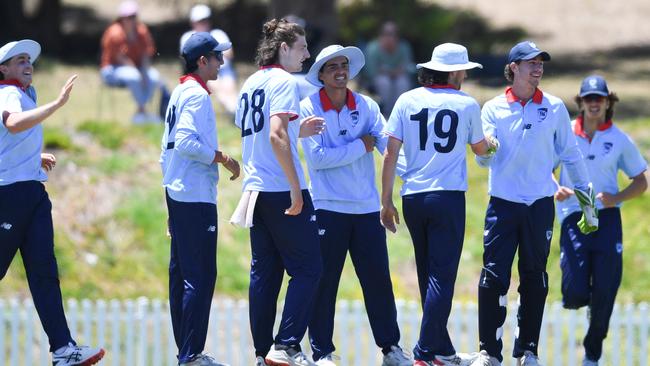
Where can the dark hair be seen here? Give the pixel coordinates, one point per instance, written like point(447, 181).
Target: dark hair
point(2, 76)
point(274, 32)
point(508, 73)
point(609, 114)
point(191, 65)
point(432, 77)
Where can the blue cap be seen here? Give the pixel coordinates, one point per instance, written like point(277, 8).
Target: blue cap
point(594, 84)
point(202, 43)
point(526, 50)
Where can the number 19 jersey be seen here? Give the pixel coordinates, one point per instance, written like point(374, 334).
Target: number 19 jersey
point(434, 125)
point(269, 91)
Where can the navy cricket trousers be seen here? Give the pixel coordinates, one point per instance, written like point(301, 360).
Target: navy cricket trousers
point(192, 273)
point(365, 238)
point(509, 227)
point(436, 222)
point(281, 242)
point(26, 225)
point(592, 267)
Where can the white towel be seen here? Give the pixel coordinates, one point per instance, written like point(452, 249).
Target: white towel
point(243, 215)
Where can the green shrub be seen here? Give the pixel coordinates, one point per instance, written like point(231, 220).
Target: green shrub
point(109, 134)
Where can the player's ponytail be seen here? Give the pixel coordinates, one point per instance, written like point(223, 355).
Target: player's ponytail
point(274, 32)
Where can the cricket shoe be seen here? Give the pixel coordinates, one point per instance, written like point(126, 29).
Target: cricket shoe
point(484, 359)
point(528, 359)
point(459, 359)
point(397, 357)
point(588, 362)
point(259, 361)
point(72, 355)
point(328, 360)
point(287, 357)
point(203, 360)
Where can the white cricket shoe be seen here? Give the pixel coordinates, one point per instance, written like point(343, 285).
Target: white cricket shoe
point(259, 361)
point(327, 360)
point(397, 357)
point(484, 359)
point(459, 359)
point(588, 362)
point(529, 359)
point(72, 355)
point(203, 360)
point(288, 357)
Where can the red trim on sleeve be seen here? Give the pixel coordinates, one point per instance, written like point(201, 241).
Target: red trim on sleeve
point(271, 66)
point(393, 136)
point(327, 104)
point(196, 78)
point(512, 98)
point(292, 116)
point(15, 83)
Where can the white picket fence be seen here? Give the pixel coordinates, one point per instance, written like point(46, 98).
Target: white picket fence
point(138, 332)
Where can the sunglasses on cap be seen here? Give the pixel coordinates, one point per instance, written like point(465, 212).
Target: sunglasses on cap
point(593, 98)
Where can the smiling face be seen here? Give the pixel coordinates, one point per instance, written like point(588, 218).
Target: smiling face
point(594, 107)
point(292, 57)
point(335, 73)
point(528, 71)
point(18, 67)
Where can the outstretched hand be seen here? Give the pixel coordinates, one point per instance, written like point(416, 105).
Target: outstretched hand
point(65, 91)
point(311, 126)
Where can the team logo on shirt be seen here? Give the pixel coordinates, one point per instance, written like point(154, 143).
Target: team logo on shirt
point(607, 147)
point(354, 118)
point(541, 114)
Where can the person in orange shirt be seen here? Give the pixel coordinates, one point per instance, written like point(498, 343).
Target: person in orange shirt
point(127, 48)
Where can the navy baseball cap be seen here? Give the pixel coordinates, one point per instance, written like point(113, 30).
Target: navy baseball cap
point(202, 43)
point(526, 50)
point(594, 84)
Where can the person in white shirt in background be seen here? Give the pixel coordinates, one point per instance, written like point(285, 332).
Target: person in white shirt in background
point(225, 87)
point(592, 264)
point(532, 128)
point(189, 159)
point(434, 123)
point(342, 172)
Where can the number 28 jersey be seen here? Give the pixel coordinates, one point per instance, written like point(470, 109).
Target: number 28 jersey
point(434, 125)
point(269, 91)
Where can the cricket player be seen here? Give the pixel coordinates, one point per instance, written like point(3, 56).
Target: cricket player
point(284, 232)
point(342, 172)
point(433, 124)
point(532, 127)
point(25, 208)
point(592, 264)
point(189, 159)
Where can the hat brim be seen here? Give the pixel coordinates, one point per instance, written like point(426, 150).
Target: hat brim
point(32, 48)
point(355, 58)
point(545, 56)
point(223, 46)
point(437, 66)
point(593, 92)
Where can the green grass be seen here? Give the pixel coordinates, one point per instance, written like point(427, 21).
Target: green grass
point(109, 167)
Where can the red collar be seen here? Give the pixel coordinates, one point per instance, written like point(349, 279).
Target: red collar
point(579, 130)
point(196, 78)
point(512, 98)
point(271, 66)
point(15, 83)
point(327, 104)
point(441, 86)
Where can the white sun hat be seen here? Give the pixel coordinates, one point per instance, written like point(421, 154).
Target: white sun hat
point(11, 49)
point(200, 12)
point(354, 55)
point(449, 57)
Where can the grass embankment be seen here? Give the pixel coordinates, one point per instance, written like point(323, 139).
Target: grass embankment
point(110, 216)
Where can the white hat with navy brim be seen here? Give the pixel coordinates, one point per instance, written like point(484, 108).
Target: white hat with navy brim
point(354, 55)
point(11, 49)
point(449, 57)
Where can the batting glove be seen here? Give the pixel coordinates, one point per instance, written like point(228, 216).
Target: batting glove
point(589, 221)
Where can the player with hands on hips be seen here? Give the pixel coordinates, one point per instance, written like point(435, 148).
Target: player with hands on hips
point(592, 263)
point(25, 207)
point(283, 230)
point(433, 124)
point(189, 159)
point(533, 128)
point(342, 171)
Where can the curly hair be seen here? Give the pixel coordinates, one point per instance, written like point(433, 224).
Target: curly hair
point(432, 77)
point(274, 32)
point(609, 114)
